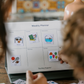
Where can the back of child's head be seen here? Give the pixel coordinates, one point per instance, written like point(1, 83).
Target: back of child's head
point(73, 42)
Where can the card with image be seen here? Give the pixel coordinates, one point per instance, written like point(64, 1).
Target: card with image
point(48, 38)
point(53, 56)
point(33, 38)
point(18, 41)
point(15, 60)
point(19, 81)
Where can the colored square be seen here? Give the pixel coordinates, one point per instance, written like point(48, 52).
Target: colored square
point(61, 4)
point(36, 4)
point(15, 60)
point(33, 38)
point(53, 56)
point(18, 41)
point(58, 7)
point(58, 2)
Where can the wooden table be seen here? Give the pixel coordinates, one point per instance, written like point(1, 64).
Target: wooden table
point(4, 77)
point(3, 74)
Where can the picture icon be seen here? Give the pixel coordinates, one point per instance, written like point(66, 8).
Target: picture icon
point(53, 56)
point(48, 39)
point(18, 41)
point(15, 60)
point(33, 38)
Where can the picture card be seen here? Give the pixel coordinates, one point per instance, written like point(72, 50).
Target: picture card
point(19, 81)
point(53, 56)
point(15, 60)
point(33, 38)
point(48, 38)
point(18, 41)
point(51, 82)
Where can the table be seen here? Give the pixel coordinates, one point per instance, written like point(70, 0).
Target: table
point(3, 74)
point(4, 77)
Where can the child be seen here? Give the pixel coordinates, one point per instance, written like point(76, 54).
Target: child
point(73, 46)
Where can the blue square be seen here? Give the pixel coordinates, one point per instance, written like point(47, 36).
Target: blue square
point(63, 2)
point(58, 2)
point(63, 6)
point(58, 7)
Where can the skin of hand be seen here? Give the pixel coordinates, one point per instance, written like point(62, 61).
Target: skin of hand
point(35, 79)
point(62, 58)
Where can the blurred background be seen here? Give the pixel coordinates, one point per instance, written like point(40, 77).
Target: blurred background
point(38, 10)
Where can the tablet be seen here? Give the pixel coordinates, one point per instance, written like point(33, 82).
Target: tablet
point(34, 46)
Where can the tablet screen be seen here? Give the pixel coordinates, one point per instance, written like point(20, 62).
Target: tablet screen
point(34, 46)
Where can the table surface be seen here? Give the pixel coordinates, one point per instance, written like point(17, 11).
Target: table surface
point(4, 77)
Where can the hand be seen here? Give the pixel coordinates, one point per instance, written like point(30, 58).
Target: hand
point(61, 61)
point(35, 79)
point(62, 58)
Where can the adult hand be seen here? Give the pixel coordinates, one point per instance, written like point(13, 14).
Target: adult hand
point(35, 79)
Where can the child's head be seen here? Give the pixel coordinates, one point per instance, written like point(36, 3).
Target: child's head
point(73, 46)
point(4, 9)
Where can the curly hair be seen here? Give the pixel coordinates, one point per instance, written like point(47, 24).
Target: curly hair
point(73, 42)
point(4, 9)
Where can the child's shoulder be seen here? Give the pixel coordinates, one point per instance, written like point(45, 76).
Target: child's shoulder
point(69, 6)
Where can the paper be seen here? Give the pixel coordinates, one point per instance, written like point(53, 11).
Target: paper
point(51, 82)
point(18, 41)
point(15, 61)
point(53, 55)
point(19, 81)
point(48, 39)
point(33, 38)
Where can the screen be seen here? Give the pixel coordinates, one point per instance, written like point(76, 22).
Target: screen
point(34, 46)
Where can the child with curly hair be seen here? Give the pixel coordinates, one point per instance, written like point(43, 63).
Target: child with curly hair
point(73, 44)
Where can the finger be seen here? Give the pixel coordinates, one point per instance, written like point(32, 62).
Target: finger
point(61, 62)
point(29, 76)
point(40, 79)
point(58, 55)
point(60, 59)
point(35, 76)
point(39, 76)
point(66, 62)
point(64, 58)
